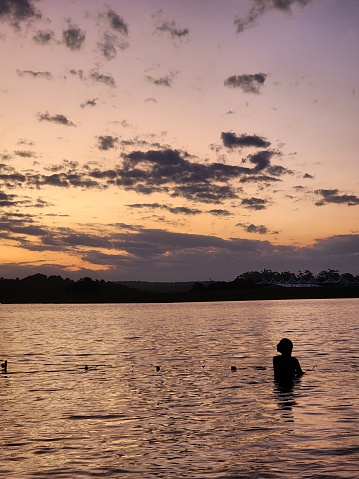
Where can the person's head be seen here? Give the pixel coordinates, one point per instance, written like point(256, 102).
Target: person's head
point(285, 346)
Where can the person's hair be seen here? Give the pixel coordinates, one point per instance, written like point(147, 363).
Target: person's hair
point(285, 345)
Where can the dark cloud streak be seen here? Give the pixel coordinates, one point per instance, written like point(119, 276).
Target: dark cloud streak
point(230, 140)
point(33, 74)
point(333, 196)
point(166, 171)
point(59, 119)
point(247, 83)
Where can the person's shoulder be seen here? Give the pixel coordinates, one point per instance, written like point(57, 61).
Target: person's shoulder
point(277, 360)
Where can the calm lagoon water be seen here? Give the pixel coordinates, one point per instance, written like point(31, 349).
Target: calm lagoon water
point(194, 418)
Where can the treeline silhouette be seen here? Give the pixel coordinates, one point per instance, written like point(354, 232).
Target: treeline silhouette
point(252, 285)
point(268, 278)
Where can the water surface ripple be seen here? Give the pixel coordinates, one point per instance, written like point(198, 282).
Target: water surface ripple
point(192, 418)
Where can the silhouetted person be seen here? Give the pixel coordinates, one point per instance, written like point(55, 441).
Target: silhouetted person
point(286, 367)
point(4, 366)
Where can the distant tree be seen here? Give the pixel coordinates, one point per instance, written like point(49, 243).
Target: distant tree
point(326, 274)
point(306, 274)
point(35, 278)
point(249, 278)
point(286, 275)
point(267, 274)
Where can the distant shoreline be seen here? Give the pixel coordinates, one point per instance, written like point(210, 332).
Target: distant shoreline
point(141, 296)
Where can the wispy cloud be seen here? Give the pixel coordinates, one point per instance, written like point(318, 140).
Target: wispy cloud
point(165, 80)
point(173, 30)
point(260, 7)
point(34, 74)
point(176, 210)
point(90, 103)
point(44, 37)
point(115, 37)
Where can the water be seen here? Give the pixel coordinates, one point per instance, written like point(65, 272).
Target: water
point(194, 418)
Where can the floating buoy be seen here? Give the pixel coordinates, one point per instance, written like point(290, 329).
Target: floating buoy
point(4, 366)
point(233, 368)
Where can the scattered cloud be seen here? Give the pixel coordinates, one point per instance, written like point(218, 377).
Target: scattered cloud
point(16, 12)
point(87, 103)
point(251, 228)
point(260, 7)
point(247, 83)
point(230, 140)
point(255, 204)
point(59, 119)
point(23, 141)
point(168, 171)
point(165, 80)
point(65, 165)
point(44, 37)
point(115, 36)
point(73, 37)
point(77, 73)
point(107, 142)
point(25, 154)
point(261, 159)
point(173, 30)
point(333, 196)
point(101, 78)
point(218, 212)
point(110, 45)
point(94, 75)
point(116, 22)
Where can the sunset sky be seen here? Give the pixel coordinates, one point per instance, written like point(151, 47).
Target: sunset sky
point(178, 140)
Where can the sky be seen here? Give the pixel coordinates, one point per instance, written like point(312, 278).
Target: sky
point(178, 140)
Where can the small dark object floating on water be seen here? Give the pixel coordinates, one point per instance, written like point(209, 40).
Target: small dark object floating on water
point(158, 368)
point(88, 368)
point(233, 368)
point(4, 366)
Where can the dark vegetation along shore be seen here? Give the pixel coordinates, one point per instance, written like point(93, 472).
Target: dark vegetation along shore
point(252, 285)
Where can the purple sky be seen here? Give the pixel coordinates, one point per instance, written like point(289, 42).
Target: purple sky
point(178, 140)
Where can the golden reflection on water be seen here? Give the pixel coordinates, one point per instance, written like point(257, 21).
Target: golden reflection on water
point(192, 418)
